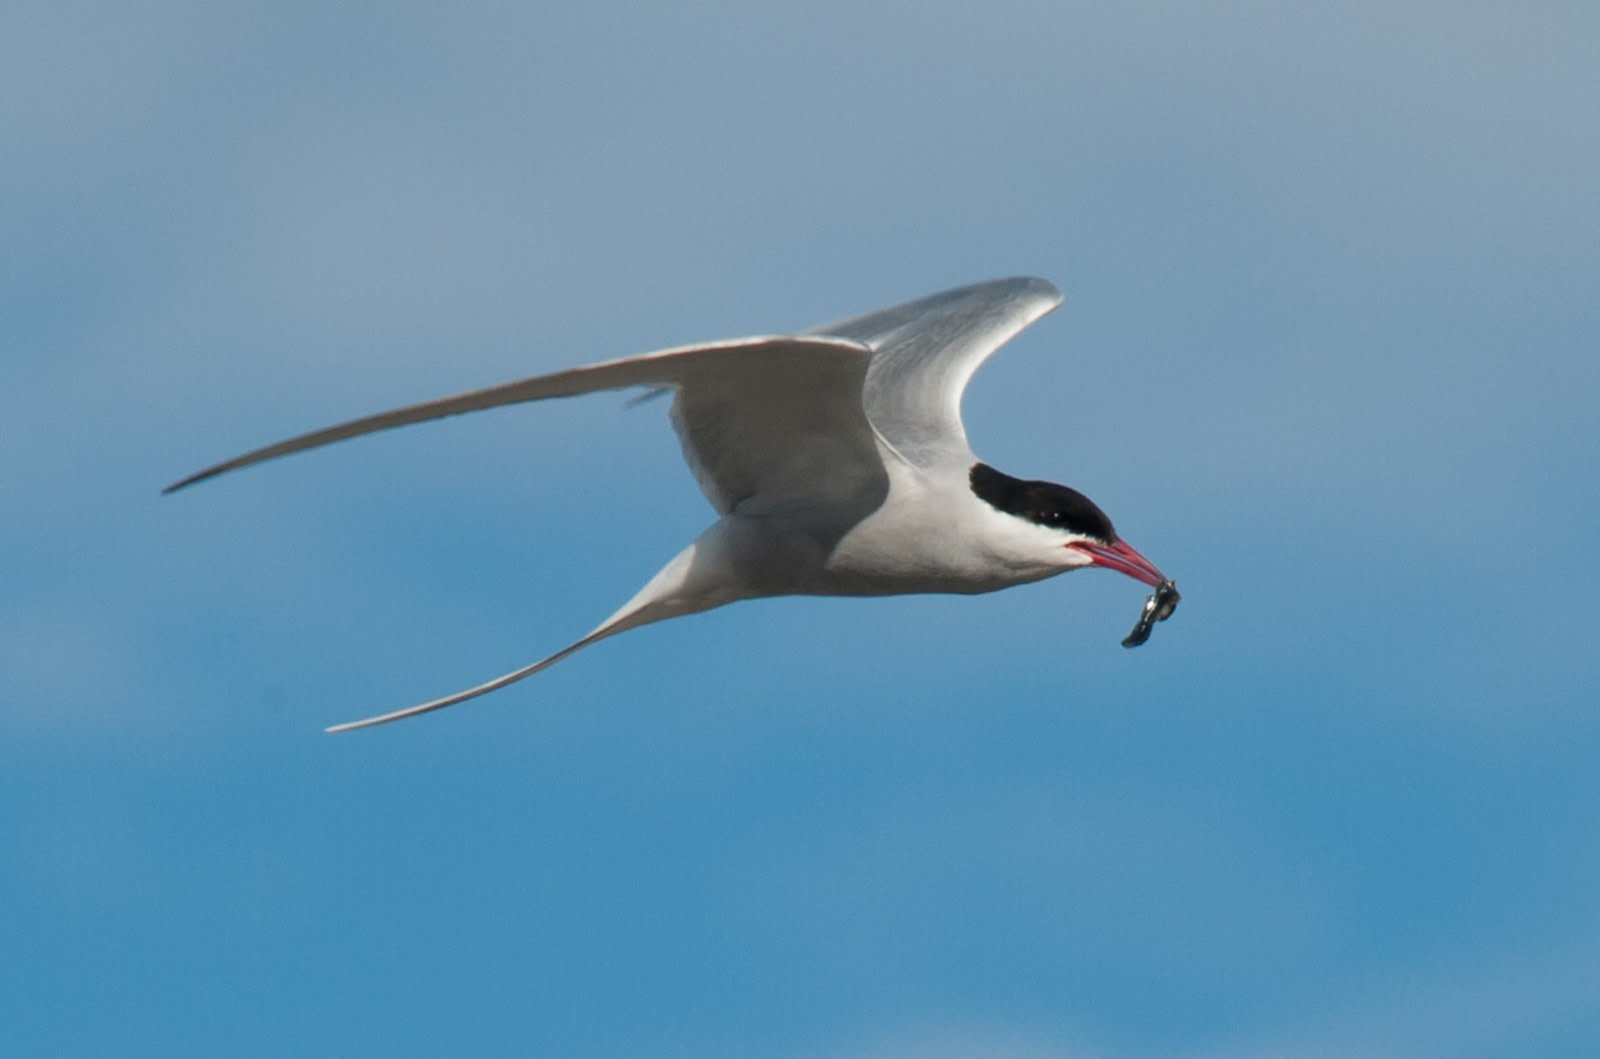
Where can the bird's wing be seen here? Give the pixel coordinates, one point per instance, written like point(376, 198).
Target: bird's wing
point(925, 351)
point(780, 426)
point(761, 419)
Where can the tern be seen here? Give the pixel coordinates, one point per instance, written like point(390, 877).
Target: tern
point(835, 459)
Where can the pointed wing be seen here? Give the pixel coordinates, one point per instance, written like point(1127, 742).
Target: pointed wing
point(924, 353)
point(660, 599)
point(760, 418)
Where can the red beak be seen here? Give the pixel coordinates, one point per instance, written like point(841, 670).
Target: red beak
point(1122, 558)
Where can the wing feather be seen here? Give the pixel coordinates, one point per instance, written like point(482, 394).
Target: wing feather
point(757, 416)
point(924, 354)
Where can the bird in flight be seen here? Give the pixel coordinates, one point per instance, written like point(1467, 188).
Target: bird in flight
point(837, 464)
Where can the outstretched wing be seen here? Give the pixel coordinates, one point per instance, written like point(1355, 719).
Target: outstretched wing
point(925, 351)
point(763, 420)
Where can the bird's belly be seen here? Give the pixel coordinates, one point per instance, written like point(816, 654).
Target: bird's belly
point(883, 560)
point(919, 545)
point(906, 575)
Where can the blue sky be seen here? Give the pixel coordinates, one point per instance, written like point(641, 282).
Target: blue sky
point(1327, 356)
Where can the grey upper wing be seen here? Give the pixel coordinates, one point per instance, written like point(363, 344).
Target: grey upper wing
point(759, 417)
point(924, 354)
point(779, 426)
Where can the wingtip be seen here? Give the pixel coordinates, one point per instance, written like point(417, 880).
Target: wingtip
point(371, 722)
point(348, 726)
point(397, 715)
point(608, 629)
point(1042, 287)
point(198, 476)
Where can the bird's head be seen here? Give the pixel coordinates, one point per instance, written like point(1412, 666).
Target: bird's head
point(1078, 532)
